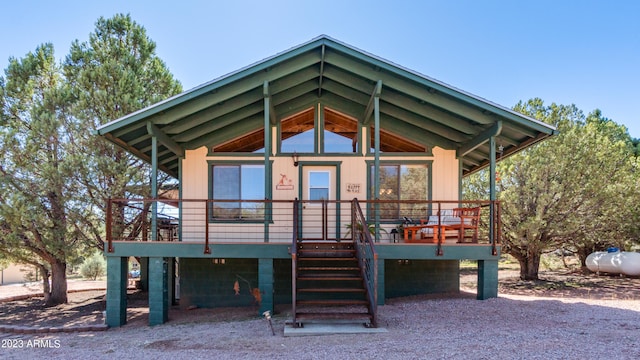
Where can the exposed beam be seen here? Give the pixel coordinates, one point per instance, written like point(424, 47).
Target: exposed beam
point(165, 140)
point(422, 122)
point(227, 133)
point(420, 91)
point(268, 103)
point(413, 133)
point(377, 90)
point(295, 92)
point(220, 122)
point(236, 88)
point(480, 139)
point(346, 92)
point(321, 71)
point(342, 104)
point(137, 152)
point(215, 111)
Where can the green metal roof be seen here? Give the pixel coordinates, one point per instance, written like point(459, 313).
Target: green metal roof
point(324, 70)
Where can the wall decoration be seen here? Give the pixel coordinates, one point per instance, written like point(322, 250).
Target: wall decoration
point(285, 183)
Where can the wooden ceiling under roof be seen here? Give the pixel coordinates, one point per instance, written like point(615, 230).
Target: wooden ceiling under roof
point(334, 121)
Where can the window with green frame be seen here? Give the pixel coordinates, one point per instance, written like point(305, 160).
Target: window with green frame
point(401, 182)
point(237, 182)
point(299, 133)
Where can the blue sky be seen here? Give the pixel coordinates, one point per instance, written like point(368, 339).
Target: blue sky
point(578, 52)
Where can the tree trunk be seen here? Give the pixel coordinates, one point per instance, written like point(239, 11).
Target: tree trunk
point(529, 266)
point(46, 289)
point(58, 283)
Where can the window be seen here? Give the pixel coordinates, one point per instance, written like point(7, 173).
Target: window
point(332, 132)
point(318, 185)
point(401, 182)
point(237, 182)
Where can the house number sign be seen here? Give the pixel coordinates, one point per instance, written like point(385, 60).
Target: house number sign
point(353, 188)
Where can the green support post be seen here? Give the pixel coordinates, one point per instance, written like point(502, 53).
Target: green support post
point(117, 281)
point(381, 294)
point(158, 291)
point(487, 279)
point(265, 284)
point(144, 273)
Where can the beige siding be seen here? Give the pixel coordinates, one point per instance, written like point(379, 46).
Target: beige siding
point(353, 183)
point(445, 175)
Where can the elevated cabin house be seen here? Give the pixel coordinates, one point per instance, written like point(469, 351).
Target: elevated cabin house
point(321, 177)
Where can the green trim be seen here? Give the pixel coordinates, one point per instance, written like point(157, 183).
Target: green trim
point(428, 147)
point(268, 195)
point(180, 197)
point(281, 251)
point(233, 154)
point(337, 165)
point(196, 250)
point(427, 163)
point(154, 188)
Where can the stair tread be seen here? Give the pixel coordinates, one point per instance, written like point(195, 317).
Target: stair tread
point(335, 277)
point(331, 290)
point(332, 302)
point(334, 315)
point(327, 258)
point(325, 268)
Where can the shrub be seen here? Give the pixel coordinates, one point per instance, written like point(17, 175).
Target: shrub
point(93, 267)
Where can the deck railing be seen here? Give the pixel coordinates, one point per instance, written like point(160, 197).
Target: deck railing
point(251, 221)
point(367, 257)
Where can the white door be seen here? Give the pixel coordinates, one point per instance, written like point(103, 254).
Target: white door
point(318, 202)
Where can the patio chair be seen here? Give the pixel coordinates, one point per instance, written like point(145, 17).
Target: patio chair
point(467, 227)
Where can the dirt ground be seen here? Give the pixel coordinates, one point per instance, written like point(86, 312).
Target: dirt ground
point(86, 307)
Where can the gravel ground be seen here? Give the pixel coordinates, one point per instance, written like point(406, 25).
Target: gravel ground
point(509, 327)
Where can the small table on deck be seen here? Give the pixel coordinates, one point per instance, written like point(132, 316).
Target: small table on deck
point(441, 229)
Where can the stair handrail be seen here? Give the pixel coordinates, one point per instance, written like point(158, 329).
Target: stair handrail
point(367, 257)
point(294, 258)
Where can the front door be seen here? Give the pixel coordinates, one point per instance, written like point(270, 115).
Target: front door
point(319, 209)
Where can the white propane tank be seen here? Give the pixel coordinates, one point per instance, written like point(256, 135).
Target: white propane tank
point(627, 263)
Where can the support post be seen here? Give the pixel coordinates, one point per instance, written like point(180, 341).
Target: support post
point(158, 291)
point(154, 188)
point(492, 188)
point(268, 118)
point(117, 282)
point(487, 279)
point(381, 294)
point(265, 284)
point(376, 159)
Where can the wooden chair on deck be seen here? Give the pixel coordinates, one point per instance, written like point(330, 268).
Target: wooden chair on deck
point(469, 220)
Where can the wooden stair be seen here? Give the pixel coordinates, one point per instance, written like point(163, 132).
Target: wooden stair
point(329, 284)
